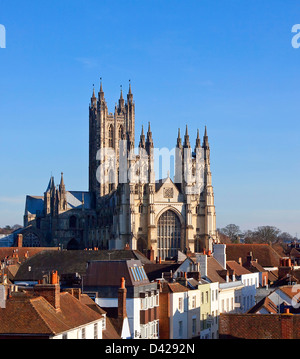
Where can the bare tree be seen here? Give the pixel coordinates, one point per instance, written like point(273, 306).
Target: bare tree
point(232, 231)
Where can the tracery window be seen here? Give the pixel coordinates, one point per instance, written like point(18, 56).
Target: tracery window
point(168, 235)
point(111, 136)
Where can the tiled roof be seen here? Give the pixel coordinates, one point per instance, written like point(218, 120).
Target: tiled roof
point(292, 291)
point(266, 304)
point(214, 269)
point(265, 254)
point(272, 276)
point(115, 321)
point(25, 314)
point(66, 262)
point(254, 267)
point(173, 288)
point(110, 331)
point(238, 269)
point(295, 253)
point(22, 252)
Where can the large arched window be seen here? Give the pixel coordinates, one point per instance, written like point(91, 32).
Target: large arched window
point(168, 235)
point(72, 222)
point(121, 131)
point(111, 136)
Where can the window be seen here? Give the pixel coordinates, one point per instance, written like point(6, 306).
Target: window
point(72, 222)
point(180, 329)
point(193, 302)
point(111, 136)
point(65, 336)
point(96, 331)
point(180, 304)
point(202, 297)
point(193, 326)
point(168, 234)
point(83, 336)
point(206, 297)
point(121, 132)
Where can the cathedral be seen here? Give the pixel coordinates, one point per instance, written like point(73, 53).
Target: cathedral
point(126, 205)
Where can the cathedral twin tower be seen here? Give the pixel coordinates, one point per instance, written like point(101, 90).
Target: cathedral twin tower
point(126, 206)
point(135, 209)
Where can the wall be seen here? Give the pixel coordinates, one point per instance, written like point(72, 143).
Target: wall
point(258, 326)
point(178, 316)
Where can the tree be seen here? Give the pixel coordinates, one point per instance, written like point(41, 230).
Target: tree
point(232, 231)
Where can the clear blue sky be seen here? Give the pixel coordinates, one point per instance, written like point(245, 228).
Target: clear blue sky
point(225, 64)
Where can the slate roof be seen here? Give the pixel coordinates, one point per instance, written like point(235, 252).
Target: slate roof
point(34, 204)
point(74, 199)
point(108, 273)
point(67, 262)
point(156, 270)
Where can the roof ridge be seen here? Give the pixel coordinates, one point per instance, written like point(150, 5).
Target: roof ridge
point(40, 298)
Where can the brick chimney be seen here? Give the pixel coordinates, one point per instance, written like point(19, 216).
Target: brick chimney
point(75, 292)
point(122, 313)
point(51, 292)
point(19, 240)
point(249, 258)
point(285, 267)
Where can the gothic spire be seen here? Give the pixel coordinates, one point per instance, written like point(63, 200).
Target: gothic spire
point(186, 143)
point(121, 100)
point(51, 184)
point(149, 142)
point(205, 139)
point(198, 141)
point(179, 144)
point(130, 95)
point(142, 139)
point(101, 92)
point(93, 98)
point(62, 184)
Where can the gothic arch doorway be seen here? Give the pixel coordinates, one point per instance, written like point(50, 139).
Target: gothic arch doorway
point(168, 235)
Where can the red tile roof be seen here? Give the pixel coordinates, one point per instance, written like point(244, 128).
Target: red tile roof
point(264, 253)
point(26, 314)
point(173, 288)
point(266, 304)
point(238, 269)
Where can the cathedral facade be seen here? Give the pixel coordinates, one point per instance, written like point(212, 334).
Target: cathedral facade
point(126, 205)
